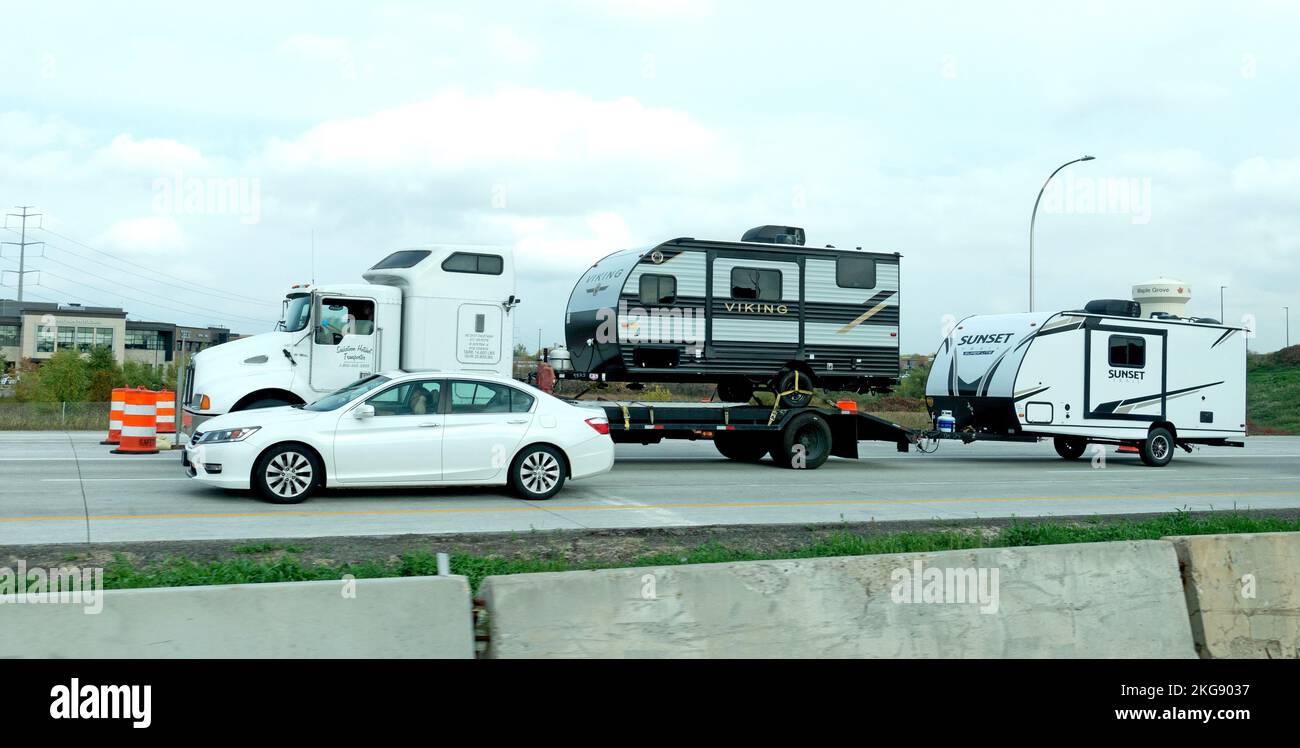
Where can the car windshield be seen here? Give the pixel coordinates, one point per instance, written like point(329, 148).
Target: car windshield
point(339, 398)
point(297, 313)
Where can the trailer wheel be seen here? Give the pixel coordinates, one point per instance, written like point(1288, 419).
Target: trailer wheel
point(741, 448)
point(797, 387)
point(805, 443)
point(1158, 449)
point(1070, 447)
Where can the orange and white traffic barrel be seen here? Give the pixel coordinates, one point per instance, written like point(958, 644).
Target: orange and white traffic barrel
point(115, 416)
point(139, 429)
point(165, 414)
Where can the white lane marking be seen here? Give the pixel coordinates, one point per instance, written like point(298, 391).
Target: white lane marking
point(124, 459)
point(655, 513)
point(101, 480)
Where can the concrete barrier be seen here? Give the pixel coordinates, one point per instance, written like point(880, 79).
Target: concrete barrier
point(1243, 593)
point(1121, 599)
point(387, 618)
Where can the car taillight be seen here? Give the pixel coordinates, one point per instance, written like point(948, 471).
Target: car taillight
point(601, 425)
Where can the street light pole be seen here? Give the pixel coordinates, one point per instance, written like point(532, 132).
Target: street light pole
point(1287, 309)
point(1034, 217)
point(1221, 303)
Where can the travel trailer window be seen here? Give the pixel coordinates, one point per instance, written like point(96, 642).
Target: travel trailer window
point(488, 397)
point(658, 289)
point(467, 262)
point(755, 284)
point(339, 317)
point(855, 272)
point(1128, 351)
point(407, 258)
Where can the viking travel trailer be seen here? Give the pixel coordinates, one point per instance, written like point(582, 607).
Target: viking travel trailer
point(764, 312)
point(1104, 374)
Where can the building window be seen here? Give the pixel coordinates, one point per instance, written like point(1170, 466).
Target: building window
point(104, 337)
point(755, 284)
point(85, 339)
point(658, 289)
point(1128, 352)
point(67, 336)
point(855, 272)
point(340, 317)
point(8, 335)
point(468, 262)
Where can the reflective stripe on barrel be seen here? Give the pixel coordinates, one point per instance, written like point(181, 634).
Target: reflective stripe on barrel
point(166, 412)
point(115, 410)
point(139, 429)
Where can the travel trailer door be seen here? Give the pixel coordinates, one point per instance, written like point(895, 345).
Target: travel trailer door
point(1125, 377)
point(344, 341)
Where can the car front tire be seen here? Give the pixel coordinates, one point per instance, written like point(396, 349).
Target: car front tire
point(287, 474)
point(538, 472)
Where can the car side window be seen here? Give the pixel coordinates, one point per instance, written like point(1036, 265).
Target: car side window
point(487, 397)
point(408, 399)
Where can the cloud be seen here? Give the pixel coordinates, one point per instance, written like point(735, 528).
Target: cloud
point(157, 235)
point(149, 156)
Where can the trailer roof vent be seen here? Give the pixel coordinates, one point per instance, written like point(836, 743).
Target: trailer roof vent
point(1114, 307)
point(775, 235)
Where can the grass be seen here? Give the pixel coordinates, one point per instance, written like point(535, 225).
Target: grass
point(31, 416)
point(180, 572)
point(1273, 388)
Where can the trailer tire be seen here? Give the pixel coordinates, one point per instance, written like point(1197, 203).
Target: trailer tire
point(1070, 447)
point(741, 447)
point(804, 443)
point(785, 382)
point(1158, 449)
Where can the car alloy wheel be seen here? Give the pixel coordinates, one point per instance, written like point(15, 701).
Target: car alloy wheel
point(289, 475)
point(539, 472)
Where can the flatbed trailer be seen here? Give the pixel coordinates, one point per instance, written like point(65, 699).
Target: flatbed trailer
point(795, 437)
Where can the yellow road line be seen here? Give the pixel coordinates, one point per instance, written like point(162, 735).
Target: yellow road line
point(600, 507)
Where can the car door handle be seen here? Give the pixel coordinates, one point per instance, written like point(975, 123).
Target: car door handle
point(430, 425)
point(521, 420)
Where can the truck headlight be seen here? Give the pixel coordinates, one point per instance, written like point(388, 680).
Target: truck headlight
point(228, 435)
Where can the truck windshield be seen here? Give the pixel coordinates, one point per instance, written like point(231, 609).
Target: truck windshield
point(339, 398)
point(297, 313)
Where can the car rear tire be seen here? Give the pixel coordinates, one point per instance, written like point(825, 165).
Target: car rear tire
point(805, 443)
point(1070, 447)
point(538, 472)
point(288, 474)
point(741, 448)
point(1158, 449)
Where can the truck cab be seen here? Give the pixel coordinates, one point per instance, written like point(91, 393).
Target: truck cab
point(421, 308)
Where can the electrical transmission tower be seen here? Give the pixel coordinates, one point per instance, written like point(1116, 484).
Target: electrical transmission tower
point(22, 245)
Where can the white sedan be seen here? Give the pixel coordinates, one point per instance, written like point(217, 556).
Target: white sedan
point(405, 429)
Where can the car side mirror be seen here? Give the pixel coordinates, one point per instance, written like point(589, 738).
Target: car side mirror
point(365, 410)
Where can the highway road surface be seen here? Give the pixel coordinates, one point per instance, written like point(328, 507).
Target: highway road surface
point(59, 487)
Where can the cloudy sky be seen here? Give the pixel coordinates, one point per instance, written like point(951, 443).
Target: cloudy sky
point(572, 128)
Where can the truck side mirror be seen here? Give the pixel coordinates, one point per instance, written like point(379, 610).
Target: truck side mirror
point(364, 410)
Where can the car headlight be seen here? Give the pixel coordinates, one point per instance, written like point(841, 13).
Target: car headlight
point(228, 435)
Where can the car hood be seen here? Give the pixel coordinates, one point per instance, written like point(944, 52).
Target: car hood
point(263, 417)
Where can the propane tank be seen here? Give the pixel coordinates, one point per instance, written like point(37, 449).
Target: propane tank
point(559, 359)
point(947, 424)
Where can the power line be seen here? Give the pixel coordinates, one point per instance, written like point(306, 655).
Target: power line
point(141, 301)
point(22, 244)
point(140, 290)
point(149, 269)
point(151, 280)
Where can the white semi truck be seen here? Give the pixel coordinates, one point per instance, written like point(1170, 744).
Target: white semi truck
point(444, 308)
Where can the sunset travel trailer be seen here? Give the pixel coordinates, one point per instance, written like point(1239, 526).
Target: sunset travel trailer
point(1105, 374)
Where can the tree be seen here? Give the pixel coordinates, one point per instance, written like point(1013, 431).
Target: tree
point(913, 385)
point(62, 378)
point(104, 374)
